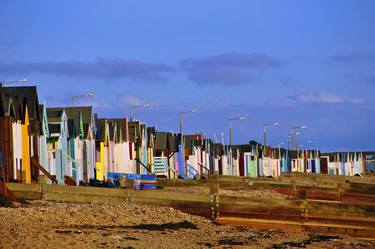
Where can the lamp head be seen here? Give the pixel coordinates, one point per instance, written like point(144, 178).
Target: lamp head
point(194, 110)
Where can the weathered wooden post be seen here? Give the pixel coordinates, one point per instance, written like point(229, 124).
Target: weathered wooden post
point(214, 193)
point(2, 167)
point(42, 179)
point(294, 193)
point(129, 184)
point(341, 188)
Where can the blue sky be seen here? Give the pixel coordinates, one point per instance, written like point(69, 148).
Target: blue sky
point(292, 62)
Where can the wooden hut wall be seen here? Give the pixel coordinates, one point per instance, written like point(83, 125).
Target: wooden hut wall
point(25, 165)
point(17, 149)
point(6, 149)
point(99, 165)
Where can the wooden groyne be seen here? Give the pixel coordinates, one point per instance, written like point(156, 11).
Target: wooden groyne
point(332, 206)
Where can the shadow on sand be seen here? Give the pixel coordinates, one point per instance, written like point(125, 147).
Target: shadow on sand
point(150, 227)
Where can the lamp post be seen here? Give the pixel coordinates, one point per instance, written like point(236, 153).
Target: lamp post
point(279, 145)
point(81, 96)
point(294, 130)
point(296, 133)
point(301, 147)
point(265, 131)
point(316, 147)
point(230, 127)
point(309, 142)
point(181, 132)
point(313, 144)
point(3, 83)
point(132, 107)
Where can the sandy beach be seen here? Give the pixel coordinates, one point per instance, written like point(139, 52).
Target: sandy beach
point(42, 224)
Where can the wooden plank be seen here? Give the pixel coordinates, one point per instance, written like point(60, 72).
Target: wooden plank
point(318, 194)
point(261, 212)
point(36, 164)
point(63, 196)
point(23, 187)
point(28, 195)
point(236, 200)
point(150, 194)
point(25, 191)
point(358, 198)
point(368, 188)
point(169, 195)
point(7, 192)
point(94, 191)
point(293, 226)
point(340, 209)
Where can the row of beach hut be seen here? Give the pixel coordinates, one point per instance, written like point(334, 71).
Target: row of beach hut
point(72, 144)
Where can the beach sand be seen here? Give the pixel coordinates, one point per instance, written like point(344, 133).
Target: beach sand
point(42, 224)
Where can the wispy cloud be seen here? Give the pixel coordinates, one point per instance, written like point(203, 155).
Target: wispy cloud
point(62, 101)
point(120, 105)
point(228, 68)
point(129, 100)
point(354, 58)
point(304, 97)
point(102, 68)
point(318, 97)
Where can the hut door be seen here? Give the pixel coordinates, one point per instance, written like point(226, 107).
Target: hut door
point(324, 165)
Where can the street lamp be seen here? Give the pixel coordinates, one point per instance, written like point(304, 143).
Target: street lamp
point(309, 142)
point(182, 135)
point(313, 143)
point(296, 133)
point(294, 130)
point(316, 145)
point(301, 147)
point(181, 113)
point(3, 83)
point(265, 131)
point(132, 107)
point(289, 138)
point(279, 145)
point(81, 96)
point(230, 127)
